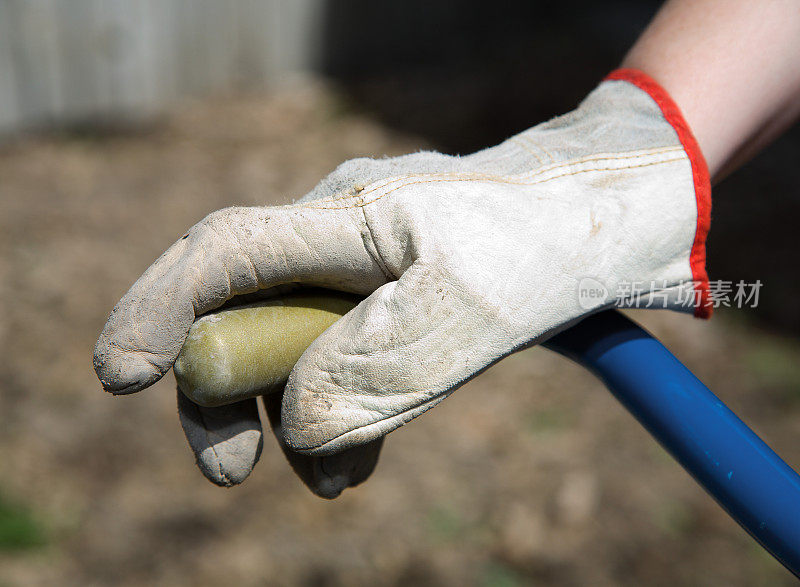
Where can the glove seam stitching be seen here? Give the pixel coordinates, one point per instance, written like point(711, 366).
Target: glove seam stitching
point(474, 175)
point(359, 203)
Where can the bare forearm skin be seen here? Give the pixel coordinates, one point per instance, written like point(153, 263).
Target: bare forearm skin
point(732, 66)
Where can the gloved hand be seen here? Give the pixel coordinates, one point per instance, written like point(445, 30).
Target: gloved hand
point(464, 260)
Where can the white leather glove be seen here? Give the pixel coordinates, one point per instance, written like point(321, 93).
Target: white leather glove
point(464, 260)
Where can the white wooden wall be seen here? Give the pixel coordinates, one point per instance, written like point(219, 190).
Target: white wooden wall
point(80, 60)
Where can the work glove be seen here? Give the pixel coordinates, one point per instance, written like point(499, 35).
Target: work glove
point(463, 260)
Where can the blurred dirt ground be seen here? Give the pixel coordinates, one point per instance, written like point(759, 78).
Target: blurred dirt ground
point(531, 474)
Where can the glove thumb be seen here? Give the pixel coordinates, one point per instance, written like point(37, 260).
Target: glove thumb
point(394, 356)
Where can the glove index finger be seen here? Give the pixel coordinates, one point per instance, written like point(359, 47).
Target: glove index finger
point(231, 252)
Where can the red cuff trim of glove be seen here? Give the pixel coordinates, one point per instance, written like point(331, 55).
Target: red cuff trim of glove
point(702, 181)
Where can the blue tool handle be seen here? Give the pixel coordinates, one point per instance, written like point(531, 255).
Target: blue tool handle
point(738, 469)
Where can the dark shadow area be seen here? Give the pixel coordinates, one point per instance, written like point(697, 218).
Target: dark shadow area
point(469, 74)
point(466, 75)
point(754, 235)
